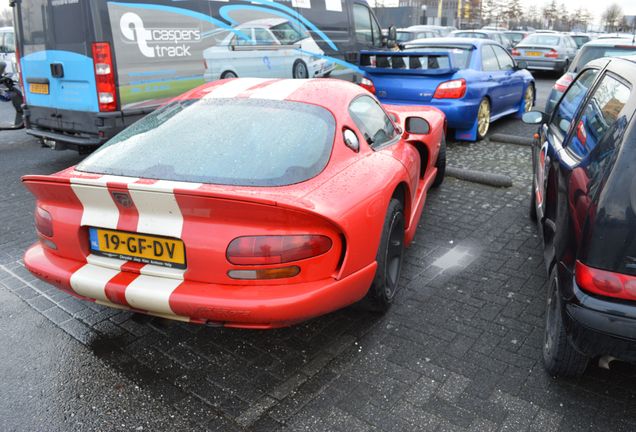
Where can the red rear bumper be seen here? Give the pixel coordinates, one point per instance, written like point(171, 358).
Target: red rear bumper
point(229, 305)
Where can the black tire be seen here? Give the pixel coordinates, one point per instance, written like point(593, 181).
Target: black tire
point(440, 163)
point(559, 356)
point(389, 258)
point(299, 70)
point(228, 74)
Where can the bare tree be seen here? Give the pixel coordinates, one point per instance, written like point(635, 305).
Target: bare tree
point(550, 13)
point(513, 11)
point(6, 17)
point(612, 17)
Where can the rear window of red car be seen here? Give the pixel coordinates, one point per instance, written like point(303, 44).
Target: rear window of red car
point(244, 142)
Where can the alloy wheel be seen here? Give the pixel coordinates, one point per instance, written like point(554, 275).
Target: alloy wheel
point(483, 118)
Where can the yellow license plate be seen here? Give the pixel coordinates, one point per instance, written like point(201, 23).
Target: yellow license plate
point(141, 248)
point(39, 88)
point(533, 53)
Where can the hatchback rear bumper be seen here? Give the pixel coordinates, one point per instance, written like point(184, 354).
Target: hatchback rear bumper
point(601, 327)
point(253, 306)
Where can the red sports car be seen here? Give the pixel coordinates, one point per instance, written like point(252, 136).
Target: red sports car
point(246, 203)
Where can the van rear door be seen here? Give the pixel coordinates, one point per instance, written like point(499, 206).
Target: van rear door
point(57, 64)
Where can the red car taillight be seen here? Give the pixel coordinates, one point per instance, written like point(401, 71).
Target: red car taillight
point(454, 89)
point(605, 283)
point(562, 83)
point(515, 52)
point(263, 250)
point(551, 54)
point(367, 84)
point(43, 222)
point(104, 76)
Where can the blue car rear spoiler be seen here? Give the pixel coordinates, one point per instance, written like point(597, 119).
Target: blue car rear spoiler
point(407, 62)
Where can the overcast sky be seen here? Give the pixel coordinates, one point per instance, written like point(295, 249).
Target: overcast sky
point(596, 7)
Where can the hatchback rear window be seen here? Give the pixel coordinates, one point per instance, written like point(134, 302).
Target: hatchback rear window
point(590, 53)
point(245, 142)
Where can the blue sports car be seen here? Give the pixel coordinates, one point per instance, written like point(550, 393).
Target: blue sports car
point(473, 81)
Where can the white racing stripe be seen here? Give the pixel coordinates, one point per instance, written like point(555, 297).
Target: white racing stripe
point(151, 293)
point(233, 88)
point(159, 213)
point(90, 281)
point(99, 209)
point(279, 90)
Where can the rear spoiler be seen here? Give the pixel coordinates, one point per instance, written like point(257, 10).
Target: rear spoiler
point(407, 62)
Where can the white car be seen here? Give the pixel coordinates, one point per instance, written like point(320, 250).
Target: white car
point(270, 48)
point(7, 49)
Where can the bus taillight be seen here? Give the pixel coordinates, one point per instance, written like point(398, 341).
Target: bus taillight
point(104, 76)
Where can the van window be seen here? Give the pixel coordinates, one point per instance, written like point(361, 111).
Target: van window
point(33, 25)
point(366, 29)
point(60, 26)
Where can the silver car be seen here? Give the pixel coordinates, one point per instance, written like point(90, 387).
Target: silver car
point(546, 51)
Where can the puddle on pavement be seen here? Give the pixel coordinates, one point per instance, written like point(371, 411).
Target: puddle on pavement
point(458, 257)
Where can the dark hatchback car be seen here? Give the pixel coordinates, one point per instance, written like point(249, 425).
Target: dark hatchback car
point(590, 51)
point(584, 199)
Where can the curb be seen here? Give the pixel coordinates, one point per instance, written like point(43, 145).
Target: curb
point(511, 139)
point(482, 177)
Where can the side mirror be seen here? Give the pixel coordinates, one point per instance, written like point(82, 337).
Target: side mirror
point(391, 39)
point(417, 126)
point(351, 140)
point(534, 117)
point(3, 67)
point(522, 64)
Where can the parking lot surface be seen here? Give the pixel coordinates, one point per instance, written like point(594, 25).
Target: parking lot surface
point(460, 349)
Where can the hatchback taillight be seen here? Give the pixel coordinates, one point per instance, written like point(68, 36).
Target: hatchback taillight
point(43, 222)
point(104, 76)
point(263, 250)
point(454, 89)
point(515, 52)
point(551, 54)
point(605, 283)
point(562, 83)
